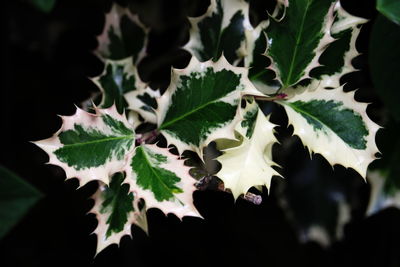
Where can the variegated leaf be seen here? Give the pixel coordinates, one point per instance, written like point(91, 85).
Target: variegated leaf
point(201, 103)
point(123, 36)
point(144, 102)
point(384, 55)
point(221, 30)
point(333, 124)
point(297, 40)
point(384, 174)
point(336, 59)
point(380, 198)
point(118, 78)
point(116, 209)
point(91, 146)
point(260, 73)
point(161, 180)
point(250, 163)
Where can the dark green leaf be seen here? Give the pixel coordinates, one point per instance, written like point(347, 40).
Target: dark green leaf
point(384, 63)
point(389, 8)
point(16, 198)
point(44, 5)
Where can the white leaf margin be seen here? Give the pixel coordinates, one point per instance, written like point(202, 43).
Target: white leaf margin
point(344, 22)
point(101, 173)
point(240, 179)
point(227, 131)
point(129, 68)
point(112, 20)
point(182, 205)
point(137, 217)
point(230, 7)
point(323, 43)
point(334, 151)
point(135, 104)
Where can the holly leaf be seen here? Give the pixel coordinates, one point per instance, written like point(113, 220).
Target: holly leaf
point(162, 180)
point(45, 6)
point(390, 9)
point(118, 78)
point(90, 146)
point(16, 198)
point(333, 124)
point(380, 198)
point(384, 174)
point(144, 102)
point(201, 103)
point(221, 30)
point(116, 209)
point(123, 36)
point(336, 59)
point(316, 199)
point(306, 27)
point(250, 163)
point(256, 60)
point(384, 56)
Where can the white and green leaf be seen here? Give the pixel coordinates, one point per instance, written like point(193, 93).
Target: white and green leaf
point(162, 180)
point(260, 72)
point(118, 78)
point(333, 124)
point(91, 146)
point(221, 30)
point(250, 163)
point(116, 209)
point(144, 102)
point(380, 198)
point(201, 103)
point(123, 36)
point(336, 59)
point(296, 41)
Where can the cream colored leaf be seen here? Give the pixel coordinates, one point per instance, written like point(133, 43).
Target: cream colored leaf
point(250, 163)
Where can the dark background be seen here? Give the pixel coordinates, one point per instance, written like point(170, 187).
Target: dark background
point(46, 59)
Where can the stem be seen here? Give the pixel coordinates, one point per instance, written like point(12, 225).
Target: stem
point(253, 198)
point(147, 138)
point(278, 96)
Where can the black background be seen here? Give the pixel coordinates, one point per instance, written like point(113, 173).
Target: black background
point(46, 59)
